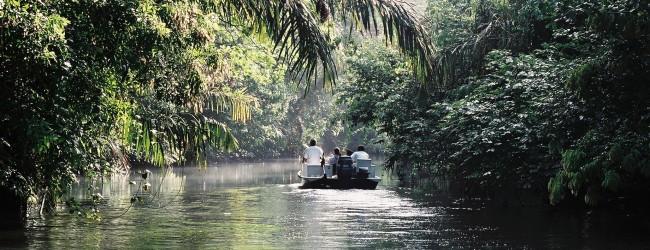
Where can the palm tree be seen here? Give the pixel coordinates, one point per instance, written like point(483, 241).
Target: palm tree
point(293, 26)
point(87, 80)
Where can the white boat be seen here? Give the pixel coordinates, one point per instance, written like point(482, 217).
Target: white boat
point(343, 175)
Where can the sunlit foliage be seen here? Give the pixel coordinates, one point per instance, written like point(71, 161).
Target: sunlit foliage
point(91, 86)
point(539, 97)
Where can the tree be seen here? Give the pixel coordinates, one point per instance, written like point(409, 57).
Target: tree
point(547, 98)
point(90, 84)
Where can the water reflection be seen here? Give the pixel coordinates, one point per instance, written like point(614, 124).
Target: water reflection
point(259, 205)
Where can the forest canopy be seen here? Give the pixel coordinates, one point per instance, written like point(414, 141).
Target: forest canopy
point(90, 87)
point(503, 96)
point(542, 97)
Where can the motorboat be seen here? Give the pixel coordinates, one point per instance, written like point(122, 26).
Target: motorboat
point(343, 175)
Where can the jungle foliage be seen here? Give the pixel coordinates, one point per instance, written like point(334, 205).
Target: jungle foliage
point(89, 87)
point(542, 97)
point(501, 95)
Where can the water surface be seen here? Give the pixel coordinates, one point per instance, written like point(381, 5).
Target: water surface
point(260, 205)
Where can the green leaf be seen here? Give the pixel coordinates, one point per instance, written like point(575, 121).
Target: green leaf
point(572, 159)
point(611, 180)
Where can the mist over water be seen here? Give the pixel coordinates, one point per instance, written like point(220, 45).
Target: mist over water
point(260, 205)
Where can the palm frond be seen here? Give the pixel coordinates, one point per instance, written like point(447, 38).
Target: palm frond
point(210, 91)
point(162, 133)
point(292, 27)
point(238, 102)
point(399, 25)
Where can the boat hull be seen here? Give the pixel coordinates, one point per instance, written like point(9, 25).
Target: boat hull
point(335, 183)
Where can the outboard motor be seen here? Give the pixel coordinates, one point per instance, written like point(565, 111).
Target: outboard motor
point(344, 168)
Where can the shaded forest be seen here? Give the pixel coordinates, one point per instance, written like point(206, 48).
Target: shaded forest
point(519, 97)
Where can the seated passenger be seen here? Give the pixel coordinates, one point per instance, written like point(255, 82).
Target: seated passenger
point(334, 157)
point(313, 155)
point(360, 154)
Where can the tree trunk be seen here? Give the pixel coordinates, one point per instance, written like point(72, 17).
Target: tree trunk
point(13, 211)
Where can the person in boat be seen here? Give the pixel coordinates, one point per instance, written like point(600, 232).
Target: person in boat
point(313, 155)
point(348, 152)
point(334, 157)
point(360, 154)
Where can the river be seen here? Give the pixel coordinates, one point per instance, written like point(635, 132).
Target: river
point(260, 205)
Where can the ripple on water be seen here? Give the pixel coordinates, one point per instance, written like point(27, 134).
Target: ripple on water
point(253, 205)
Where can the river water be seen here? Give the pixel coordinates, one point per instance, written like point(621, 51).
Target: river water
point(260, 205)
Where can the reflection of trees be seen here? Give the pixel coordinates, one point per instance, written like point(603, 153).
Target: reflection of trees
point(242, 174)
point(133, 228)
point(197, 207)
point(216, 207)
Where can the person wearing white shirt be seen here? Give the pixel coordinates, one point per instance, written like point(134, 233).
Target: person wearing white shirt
point(312, 154)
point(360, 154)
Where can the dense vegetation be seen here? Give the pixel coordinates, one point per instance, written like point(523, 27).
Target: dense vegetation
point(542, 97)
point(90, 87)
point(508, 97)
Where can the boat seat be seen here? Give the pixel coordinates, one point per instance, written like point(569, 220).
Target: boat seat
point(329, 170)
point(363, 167)
point(313, 171)
point(364, 164)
